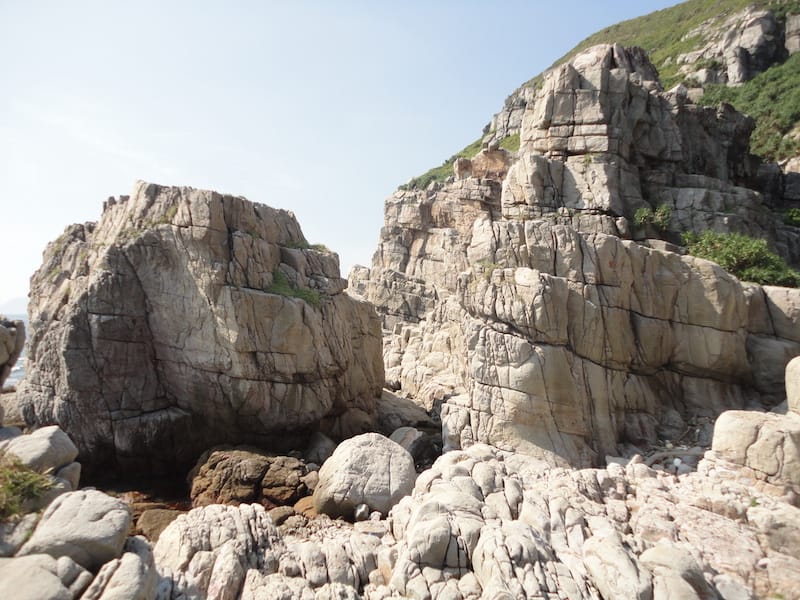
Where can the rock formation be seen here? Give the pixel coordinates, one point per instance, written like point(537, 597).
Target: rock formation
point(12, 341)
point(187, 318)
point(544, 318)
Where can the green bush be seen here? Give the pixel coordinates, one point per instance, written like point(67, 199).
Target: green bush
point(18, 484)
point(282, 287)
point(792, 217)
point(659, 218)
point(747, 258)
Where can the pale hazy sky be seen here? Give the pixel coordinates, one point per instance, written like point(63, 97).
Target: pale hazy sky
point(322, 108)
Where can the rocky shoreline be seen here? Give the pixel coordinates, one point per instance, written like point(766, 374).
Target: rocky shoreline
point(532, 392)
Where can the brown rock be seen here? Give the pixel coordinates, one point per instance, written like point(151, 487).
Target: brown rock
point(153, 521)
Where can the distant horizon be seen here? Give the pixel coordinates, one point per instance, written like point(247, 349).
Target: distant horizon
point(319, 109)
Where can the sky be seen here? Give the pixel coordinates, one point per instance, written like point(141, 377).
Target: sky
point(322, 108)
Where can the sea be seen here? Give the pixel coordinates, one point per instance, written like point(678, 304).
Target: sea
point(18, 371)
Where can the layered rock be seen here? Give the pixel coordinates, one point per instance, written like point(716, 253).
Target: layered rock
point(544, 317)
point(187, 318)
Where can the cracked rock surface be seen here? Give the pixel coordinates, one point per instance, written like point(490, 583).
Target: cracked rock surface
point(186, 318)
point(538, 315)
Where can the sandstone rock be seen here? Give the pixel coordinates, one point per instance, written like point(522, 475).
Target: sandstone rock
point(155, 520)
point(42, 576)
point(368, 469)
point(261, 342)
point(46, 449)
point(228, 475)
point(12, 341)
point(87, 526)
point(15, 531)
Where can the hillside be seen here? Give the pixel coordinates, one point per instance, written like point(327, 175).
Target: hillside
point(693, 43)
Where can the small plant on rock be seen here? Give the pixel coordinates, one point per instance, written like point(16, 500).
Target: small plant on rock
point(18, 484)
point(659, 218)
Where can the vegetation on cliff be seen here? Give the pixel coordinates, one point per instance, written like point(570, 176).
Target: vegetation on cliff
point(748, 258)
point(772, 98)
point(664, 34)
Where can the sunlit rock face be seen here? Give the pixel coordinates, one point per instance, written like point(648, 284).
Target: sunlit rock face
point(186, 318)
point(542, 317)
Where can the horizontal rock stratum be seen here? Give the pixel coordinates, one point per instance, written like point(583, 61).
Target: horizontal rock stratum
point(186, 318)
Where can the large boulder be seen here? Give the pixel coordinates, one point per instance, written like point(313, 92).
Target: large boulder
point(87, 526)
point(46, 449)
point(186, 318)
point(246, 475)
point(367, 469)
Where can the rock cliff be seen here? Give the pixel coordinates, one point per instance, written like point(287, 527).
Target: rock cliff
point(186, 318)
point(544, 317)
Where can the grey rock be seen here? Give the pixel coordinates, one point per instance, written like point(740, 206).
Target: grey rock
point(319, 448)
point(46, 449)
point(367, 469)
point(42, 576)
point(241, 358)
point(87, 526)
point(132, 576)
point(209, 550)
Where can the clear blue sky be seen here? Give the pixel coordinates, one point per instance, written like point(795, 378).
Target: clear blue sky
point(322, 108)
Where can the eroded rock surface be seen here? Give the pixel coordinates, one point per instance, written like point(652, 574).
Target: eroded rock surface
point(538, 315)
point(186, 318)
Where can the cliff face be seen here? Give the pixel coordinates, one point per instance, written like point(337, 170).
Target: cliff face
point(186, 318)
point(543, 318)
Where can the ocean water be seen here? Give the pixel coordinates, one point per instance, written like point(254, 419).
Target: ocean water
point(18, 371)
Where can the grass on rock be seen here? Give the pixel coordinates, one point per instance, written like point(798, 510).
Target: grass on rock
point(749, 259)
point(18, 484)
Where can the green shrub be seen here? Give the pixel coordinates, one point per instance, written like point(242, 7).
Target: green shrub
point(662, 216)
point(792, 217)
point(18, 484)
point(747, 258)
point(282, 287)
point(659, 218)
